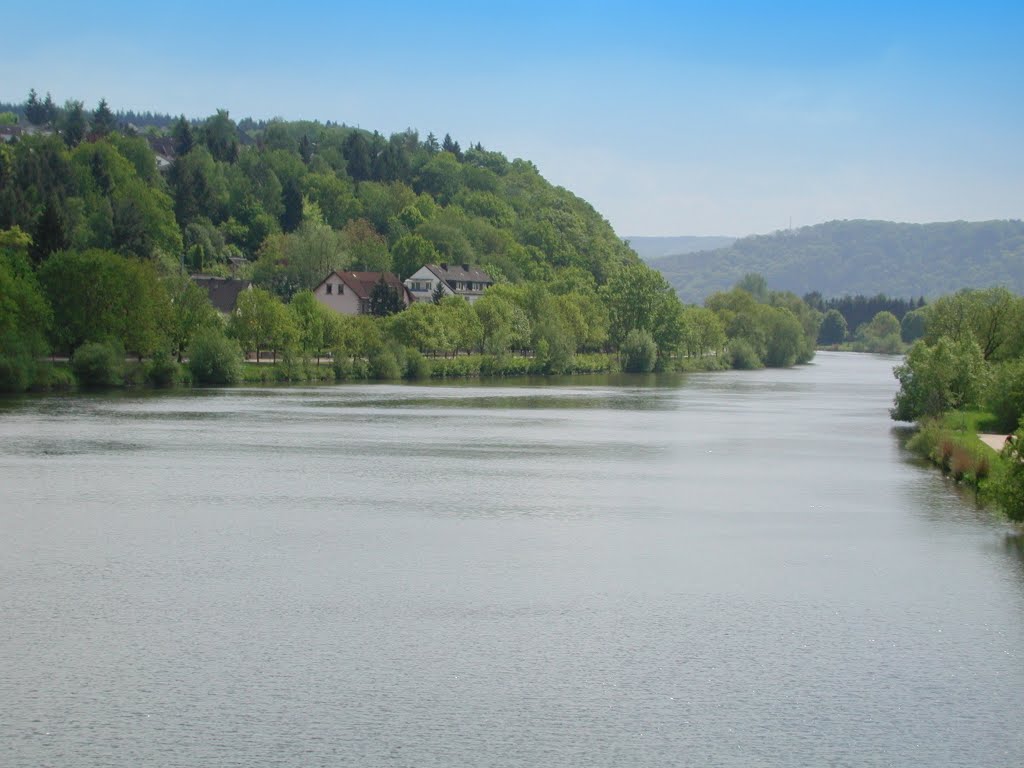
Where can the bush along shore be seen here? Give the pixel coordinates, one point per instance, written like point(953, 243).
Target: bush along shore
point(217, 362)
point(963, 378)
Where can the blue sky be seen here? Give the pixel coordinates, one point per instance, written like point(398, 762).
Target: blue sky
point(670, 118)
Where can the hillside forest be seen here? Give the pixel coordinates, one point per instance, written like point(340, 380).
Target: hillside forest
point(861, 257)
point(101, 222)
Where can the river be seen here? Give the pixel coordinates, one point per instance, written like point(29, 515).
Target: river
point(730, 569)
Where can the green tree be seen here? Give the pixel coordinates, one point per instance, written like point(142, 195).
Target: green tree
point(103, 120)
point(947, 375)
point(73, 123)
point(833, 328)
point(191, 313)
point(639, 352)
point(35, 113)
point(25, 316)
point(183, 137)
point(703, 332)
point(98, 295)
point(261, 323)
point(1005, 395)
point(384, 299)
point(213, 359)
point(412, 252)
point(313, 323)
point(639, 298)
point(914, 325)
point(1009, 488)
point(220, 135)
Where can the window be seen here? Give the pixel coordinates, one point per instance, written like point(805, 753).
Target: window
point(328, 288)
point(341, 288)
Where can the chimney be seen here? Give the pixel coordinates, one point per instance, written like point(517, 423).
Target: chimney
point(465, 267)
point(444, 266)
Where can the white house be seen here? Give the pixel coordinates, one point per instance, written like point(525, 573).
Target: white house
point(455, 279)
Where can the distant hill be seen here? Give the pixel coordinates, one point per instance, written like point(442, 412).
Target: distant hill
point(648, 248)
point(860, 257)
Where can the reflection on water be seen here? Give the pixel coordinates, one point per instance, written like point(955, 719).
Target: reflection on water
point(725, 569)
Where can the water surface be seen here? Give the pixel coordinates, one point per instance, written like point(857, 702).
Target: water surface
point(730, 569)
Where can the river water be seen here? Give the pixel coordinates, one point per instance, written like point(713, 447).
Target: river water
point(729, 569)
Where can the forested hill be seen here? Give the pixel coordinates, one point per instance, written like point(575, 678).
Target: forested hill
point(861, 257)
point(293, 199)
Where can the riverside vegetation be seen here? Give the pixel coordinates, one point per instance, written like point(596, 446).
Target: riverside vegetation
point(965, 375)
point(96, 241)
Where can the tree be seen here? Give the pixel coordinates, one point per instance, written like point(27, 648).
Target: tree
point(833, 328)
point(183, 138)
point(25, 316)
point(98, 295)
point(451, 146)
point(991, 316)
point(1009, 488)
point(384, 299)
point(312, 320)
point(50, 110)
point(191, 313)
point(368, 250)
point(411, 253)
point(357, 156)
point(703, 332)
point(35, 112)
point(214, 359)
point(103, 120)
point(948, 375)
point(73, 125)
point(220, 135)
point(637, 297)
point(50, 233)
point(914, 325)
point(639, 352)
point(260, 322)
point(291, 198)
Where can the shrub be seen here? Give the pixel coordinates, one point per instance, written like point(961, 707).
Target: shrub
point(14, 373)
point(639, 352)
point(53, 377)
point(98, 365)
point(213, 359)
point(162, 371)
point(416, 365)
point(384, 365)
point(743, 355)
point(1005, 394)
point(291, 367)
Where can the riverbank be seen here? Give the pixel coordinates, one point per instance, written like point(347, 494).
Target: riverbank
point(163, 373)
point(959, 445)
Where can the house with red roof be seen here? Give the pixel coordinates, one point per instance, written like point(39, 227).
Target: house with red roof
point(349, 292)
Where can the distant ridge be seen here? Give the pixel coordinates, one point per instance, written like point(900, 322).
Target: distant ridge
point(860, 257)
point(648, 248)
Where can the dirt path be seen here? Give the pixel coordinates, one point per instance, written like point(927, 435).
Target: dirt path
point(993, 441)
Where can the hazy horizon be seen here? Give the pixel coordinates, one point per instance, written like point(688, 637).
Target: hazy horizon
point(669, 119)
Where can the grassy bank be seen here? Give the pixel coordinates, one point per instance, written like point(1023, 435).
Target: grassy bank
point(951, 442)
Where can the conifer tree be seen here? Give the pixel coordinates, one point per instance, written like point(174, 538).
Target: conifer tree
point(183, 138)
point(35, 112)
point(103, 121)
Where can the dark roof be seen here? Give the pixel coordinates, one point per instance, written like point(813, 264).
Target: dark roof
point(463, 272)
point(361, 283)
point(161, 145)
point(223, 291)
